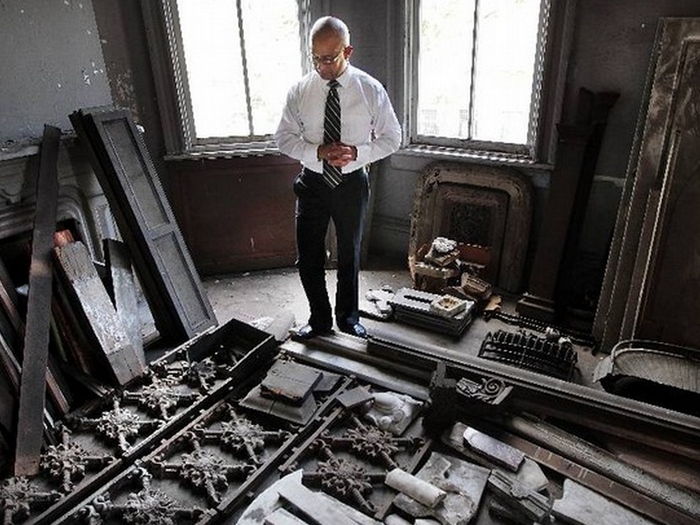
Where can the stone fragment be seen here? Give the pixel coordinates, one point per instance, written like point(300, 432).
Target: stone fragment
point(290, 382)
point(393, 412)
point(463, 482)
point(582, 506)
point(415, 488)
point(501, 453)
point(355, 397)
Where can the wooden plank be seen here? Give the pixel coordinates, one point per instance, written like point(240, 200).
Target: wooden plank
point(36, 338)
point(283, 517)
point(123, 292)
point(8, 413)
point(582, 506)
point(9, 363)
point(9, 386)
point(95, 309)
point(177, 298)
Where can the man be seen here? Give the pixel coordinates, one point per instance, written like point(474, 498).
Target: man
point(333, 183)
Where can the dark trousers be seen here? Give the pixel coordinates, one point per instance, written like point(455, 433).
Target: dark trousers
point(346, 205)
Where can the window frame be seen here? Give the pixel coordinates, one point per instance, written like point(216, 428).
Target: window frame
point(544, 87)
point(165, 42)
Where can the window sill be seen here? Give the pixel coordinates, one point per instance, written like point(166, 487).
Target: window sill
point(226, 151)
point(472, 156)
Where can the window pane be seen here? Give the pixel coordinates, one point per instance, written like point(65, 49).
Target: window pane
point(444, 69)
point(214, 68)
point(271, 30)
point(505, 60)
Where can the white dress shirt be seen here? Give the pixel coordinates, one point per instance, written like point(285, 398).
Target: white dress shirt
point(368, 121)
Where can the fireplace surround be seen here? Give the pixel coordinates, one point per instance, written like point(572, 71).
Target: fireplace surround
point(488, 206)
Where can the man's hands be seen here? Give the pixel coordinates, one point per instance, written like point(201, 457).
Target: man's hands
point(337, 153)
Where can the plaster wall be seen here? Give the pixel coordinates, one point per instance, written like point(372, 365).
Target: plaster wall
point(612, 52)
point(51, 64)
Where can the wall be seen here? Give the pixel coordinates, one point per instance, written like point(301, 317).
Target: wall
point(611, 52)
point(51, 64)
point(124, 47)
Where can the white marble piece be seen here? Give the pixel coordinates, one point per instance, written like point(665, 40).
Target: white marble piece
point(583, 506)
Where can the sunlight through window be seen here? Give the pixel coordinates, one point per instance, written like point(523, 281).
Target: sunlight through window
point(476, 68)
point(239, 58)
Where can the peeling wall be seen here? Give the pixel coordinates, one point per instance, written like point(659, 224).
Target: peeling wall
point(126, 58)
point(51, 64)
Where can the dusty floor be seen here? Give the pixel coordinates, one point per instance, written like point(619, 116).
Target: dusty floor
point(257, 297)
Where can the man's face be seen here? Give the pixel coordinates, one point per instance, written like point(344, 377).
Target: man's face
point(329, 55)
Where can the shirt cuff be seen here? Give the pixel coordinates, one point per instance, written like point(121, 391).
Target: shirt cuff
point(362, 153)
point(310, 156)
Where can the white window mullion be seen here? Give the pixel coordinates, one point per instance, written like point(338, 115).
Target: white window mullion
point(475, 46)
point(244, 63)
point(478, 73)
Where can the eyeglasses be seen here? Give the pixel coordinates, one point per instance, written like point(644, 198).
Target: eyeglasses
point(326, 60)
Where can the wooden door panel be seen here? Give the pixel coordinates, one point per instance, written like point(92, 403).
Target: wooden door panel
point(136, 197)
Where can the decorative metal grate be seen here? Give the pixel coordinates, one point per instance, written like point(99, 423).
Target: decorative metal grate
point(556, 358)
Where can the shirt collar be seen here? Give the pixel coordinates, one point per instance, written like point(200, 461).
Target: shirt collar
point(343, 79)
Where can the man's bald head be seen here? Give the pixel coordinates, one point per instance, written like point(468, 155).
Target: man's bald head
point(329, 25)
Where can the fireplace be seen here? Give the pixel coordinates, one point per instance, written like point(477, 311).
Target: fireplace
point(487, 206)
point(81, 201)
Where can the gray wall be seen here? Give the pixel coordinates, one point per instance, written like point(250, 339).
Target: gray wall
point(50, 65)
point(612, 52)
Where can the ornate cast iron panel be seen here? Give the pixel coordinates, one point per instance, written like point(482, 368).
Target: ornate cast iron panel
point(178, 446)
point(348, 458)
point(502, 202)
point(106, 436)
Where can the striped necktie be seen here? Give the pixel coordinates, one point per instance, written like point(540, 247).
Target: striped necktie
point(331, 132)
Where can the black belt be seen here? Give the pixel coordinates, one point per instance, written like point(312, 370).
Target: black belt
point(363, 169)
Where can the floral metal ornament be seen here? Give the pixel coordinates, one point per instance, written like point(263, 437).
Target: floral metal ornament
point(119, 426)
point(67, 462)
point(18, 498)
point(148, 506)
point(161, 397)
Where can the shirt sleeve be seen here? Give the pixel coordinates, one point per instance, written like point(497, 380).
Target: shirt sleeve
point(289, 135)
point(386, 131)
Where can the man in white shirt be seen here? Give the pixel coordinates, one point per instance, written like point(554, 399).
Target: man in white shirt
point(333, 183)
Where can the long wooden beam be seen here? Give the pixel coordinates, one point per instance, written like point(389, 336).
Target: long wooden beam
point(542, 395)
point(36, 339)
point(109, 341)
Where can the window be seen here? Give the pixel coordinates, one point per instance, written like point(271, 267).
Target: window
point(233, 62)
point(478, 73)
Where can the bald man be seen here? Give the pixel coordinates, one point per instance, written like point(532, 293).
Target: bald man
point(334, 183)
